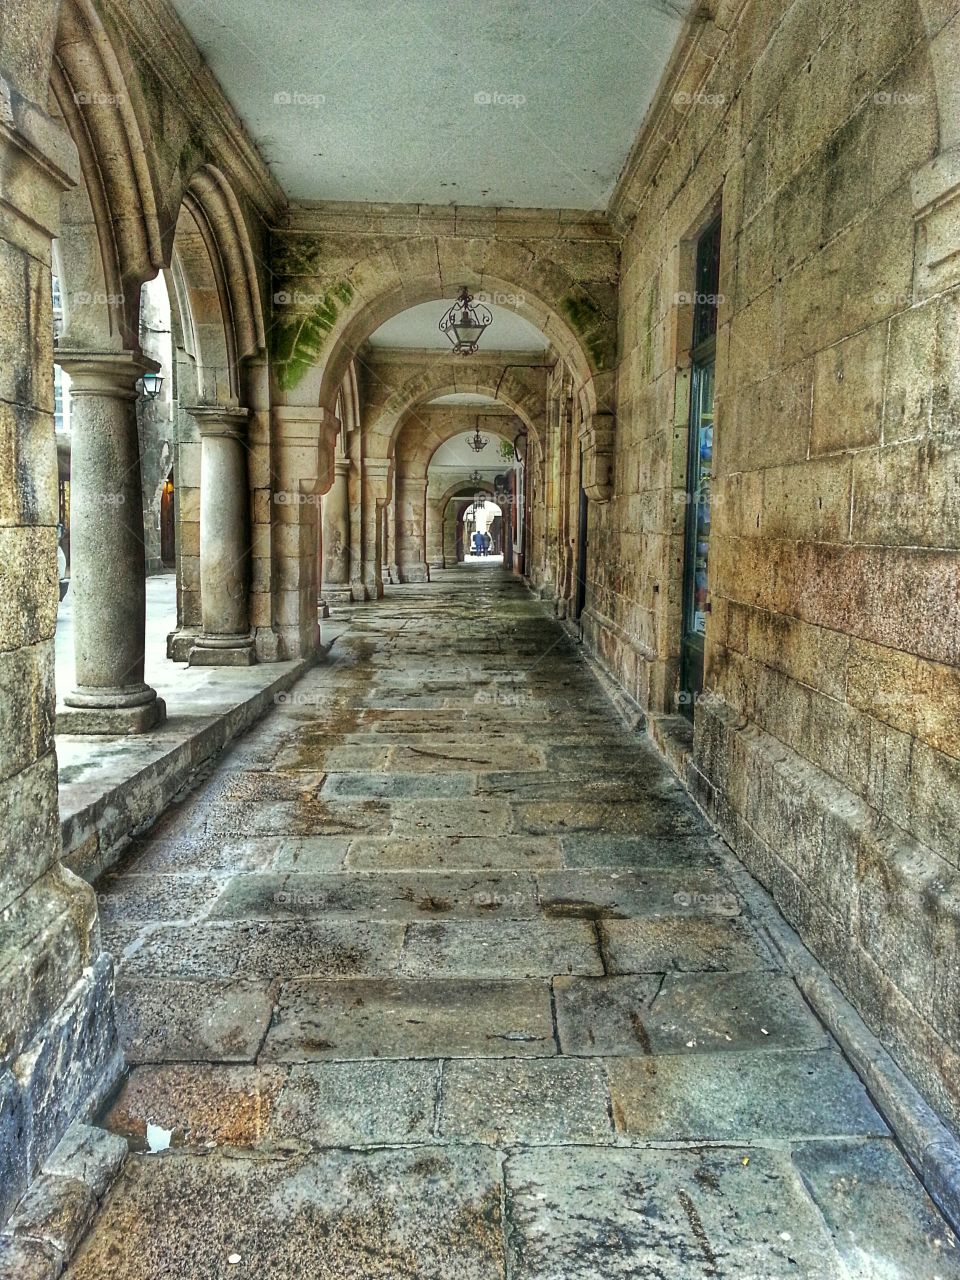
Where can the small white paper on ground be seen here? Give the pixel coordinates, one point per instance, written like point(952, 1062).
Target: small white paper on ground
point(158, 1139)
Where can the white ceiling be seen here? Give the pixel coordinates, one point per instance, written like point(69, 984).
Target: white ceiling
point(420, 327)
point(532, 103)
point(456, 454)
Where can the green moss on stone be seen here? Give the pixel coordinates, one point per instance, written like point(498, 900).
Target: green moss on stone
point(591, 325)
point(298, 343)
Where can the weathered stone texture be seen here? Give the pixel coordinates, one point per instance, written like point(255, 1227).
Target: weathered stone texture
point(827, 749)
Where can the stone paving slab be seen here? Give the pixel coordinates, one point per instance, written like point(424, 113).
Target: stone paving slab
point(583, 1214)
point(474, 817)
point(311, 853)
point(306, 817)
point(148, 897)
point(442, 754)
point(463, 853)
point(881, 1220)
point(357, 1103)
point(693, 941)
point(640, 818)
point(507, 1102)
point(500, 948)
point(191, 855)
point(200, 1104)
point(684, 1013)
point(170, 1020)
point(366, 1018)
point(602, 894)
point(269, 949)
point(380, 896)
point(594, 849)
point(329, 1215)
point(740, 1097)
point(398, 786)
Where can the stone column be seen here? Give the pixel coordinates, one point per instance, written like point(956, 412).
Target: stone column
point(107, 549)
point(434, 535)
point(375, 477)
point(454, 507)
point(225, 639)
point(411, 511)
point(336, 537)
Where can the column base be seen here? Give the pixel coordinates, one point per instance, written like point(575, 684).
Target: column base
point(223, 651)
point(179, 643)
point(115, 722)
point(414, 572)
point(323, 609)
point(341, 593)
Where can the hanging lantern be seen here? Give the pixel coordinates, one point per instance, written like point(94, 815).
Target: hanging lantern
point(465, 322)
point(477, 442)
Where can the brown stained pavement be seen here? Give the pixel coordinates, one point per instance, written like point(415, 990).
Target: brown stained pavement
point(440, 974)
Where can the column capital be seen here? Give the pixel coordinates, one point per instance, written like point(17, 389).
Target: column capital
point(216, 420)
point(105, 373)
point(342, 466)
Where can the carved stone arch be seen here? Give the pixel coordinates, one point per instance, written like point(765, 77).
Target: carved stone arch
point(210, 192)
point(203, 300)
point(519, 388)
point(331, 311)
point(420, 434)
point(102, 109)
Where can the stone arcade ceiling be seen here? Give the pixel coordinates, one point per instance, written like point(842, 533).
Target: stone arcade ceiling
point(530, 103)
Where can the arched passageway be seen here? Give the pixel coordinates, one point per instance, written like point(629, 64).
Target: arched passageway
point(440, 913)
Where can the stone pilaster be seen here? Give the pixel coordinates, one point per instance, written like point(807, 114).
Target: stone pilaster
point(305, 440)
point(226, 639)
point(335, 587)
point(107, 547)
point(376, 491)
point(410, 532)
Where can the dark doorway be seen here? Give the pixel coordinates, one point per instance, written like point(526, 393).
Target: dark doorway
point(696, 594)
point(168, 524)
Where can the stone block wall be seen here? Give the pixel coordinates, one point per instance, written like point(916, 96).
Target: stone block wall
point(826, 744)
point(57, 1035)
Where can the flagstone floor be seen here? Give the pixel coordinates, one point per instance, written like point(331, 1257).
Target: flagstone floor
point(440, 976)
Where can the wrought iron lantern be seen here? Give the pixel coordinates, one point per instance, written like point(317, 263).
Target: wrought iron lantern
point(150, 385)
point(477, 442)
point(465, 322)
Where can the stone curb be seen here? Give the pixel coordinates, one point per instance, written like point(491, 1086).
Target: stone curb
point(136, 802)
point(53, 1215)
point(928, 1144)
point(930, 1147)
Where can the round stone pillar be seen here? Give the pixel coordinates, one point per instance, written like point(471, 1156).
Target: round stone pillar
point(108, 585)
point(225, 639)
point(335, 587)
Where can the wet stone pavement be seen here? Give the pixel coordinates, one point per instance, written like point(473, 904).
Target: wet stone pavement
point(440, 976)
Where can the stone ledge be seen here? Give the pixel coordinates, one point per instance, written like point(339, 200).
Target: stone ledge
point(58, 1207)
point(66, 1071)
point(104, 811)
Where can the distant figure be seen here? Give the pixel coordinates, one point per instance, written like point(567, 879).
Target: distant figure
point(486, 544)
point(478, 543)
